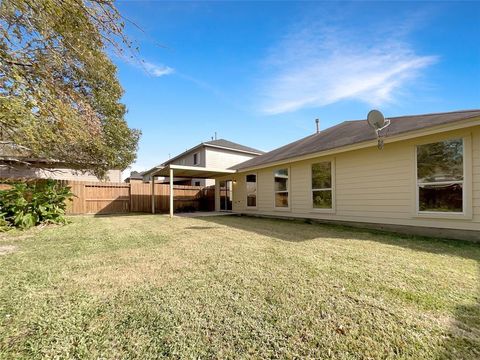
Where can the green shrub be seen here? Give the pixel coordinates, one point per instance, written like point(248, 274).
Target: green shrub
point(27, 204)
point(4, 224)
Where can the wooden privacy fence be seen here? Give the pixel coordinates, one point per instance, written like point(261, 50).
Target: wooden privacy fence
point(112, 198)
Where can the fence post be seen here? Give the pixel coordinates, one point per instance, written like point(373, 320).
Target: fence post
point(153, 194)
point(129, 197)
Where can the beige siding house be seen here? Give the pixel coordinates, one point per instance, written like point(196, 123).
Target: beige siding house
point(224, 158)
point(426, 179)
point(218, 154)
point(16, 162)
point(57, 173)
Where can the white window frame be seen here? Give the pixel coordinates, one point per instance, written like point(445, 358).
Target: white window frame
point(283, 191)
point(197, 154)
point(256, 191)
point(332, 189)
point(466, 212)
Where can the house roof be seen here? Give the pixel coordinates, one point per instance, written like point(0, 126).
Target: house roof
point(354, 132)
point(11, 153)
point(225, 144)
point(9, 149)
point(220, 144)
point(135, 175)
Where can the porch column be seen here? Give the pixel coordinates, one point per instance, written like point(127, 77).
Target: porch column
point(153, 194)
point(171, 193)
point(217, 195)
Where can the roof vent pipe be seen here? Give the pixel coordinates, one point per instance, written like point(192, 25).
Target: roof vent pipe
point(317, 122)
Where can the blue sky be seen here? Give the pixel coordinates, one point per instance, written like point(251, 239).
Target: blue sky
point(259, 73)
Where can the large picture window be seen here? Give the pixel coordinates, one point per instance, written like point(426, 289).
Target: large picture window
point(281, 188)
point(251, 184)
point(322, 185)
point(440, 177)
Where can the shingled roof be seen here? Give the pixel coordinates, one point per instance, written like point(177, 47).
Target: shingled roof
point(220, 143)
point(231, 145)
point(354, 132)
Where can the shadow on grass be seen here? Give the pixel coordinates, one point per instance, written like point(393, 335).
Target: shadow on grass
point(202, 227)
point(462, 340)
point(301, 230)
point(100, 215)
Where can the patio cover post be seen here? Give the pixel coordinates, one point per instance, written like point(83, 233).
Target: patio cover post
point(153, 194)
point(171, 192)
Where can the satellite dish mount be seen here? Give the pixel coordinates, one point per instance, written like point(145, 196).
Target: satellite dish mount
point(377, 122)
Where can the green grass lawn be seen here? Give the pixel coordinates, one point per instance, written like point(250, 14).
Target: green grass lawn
point(234, 287)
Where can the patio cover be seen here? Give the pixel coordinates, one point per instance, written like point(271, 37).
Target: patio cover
point(184, 171)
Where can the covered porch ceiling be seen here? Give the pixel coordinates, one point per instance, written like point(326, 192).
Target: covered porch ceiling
point(194, 172)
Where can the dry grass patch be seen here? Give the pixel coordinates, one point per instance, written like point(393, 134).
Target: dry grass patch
point(7, 249)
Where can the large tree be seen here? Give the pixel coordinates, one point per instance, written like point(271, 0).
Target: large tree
point(59, 92)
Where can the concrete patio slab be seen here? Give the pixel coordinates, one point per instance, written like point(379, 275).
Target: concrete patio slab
point(203, 214)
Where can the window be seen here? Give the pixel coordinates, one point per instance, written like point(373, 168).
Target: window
point(281, 188)
point(195, 159)
point(251, 185)
point(322, 185)
point(197, 183)
point(440, 178)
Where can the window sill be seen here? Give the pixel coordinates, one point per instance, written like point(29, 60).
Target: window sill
point(322, 211)
point(443, 215)
point(281, 209)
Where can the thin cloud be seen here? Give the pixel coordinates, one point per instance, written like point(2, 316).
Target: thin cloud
point(314, 68)
point(157, 70)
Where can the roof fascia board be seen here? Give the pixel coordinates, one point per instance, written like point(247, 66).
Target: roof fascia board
point(193, 168)
point(461, 124)
point(197, 168)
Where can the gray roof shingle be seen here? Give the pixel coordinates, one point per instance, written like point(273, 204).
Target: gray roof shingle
point(231, 145)
point(353, 132)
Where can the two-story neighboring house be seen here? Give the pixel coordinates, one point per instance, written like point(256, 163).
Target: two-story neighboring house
point(218, 154)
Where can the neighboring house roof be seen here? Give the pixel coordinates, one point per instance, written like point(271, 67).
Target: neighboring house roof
point(219, 144)
point(11, 153)
point(225, 144)
point(354, 132)
point(135, 175)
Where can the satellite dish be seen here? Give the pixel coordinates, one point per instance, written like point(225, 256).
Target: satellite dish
point(376, 119)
